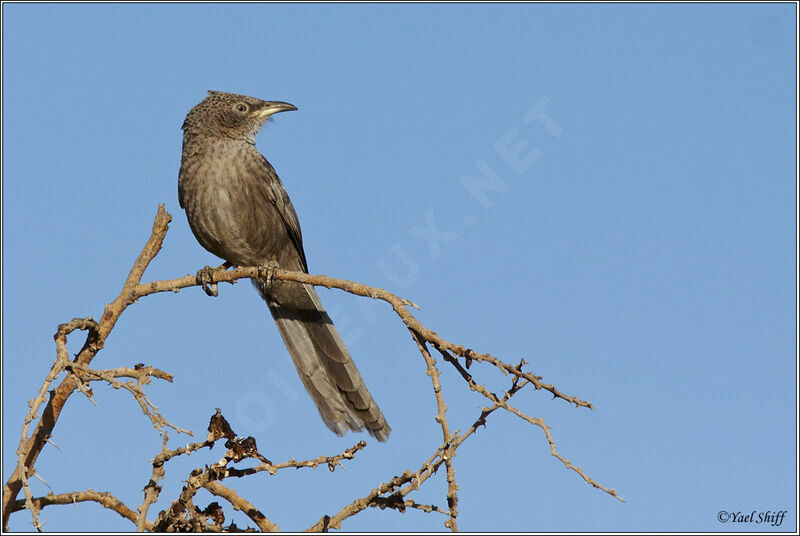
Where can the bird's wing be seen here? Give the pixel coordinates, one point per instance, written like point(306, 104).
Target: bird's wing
point(284, 205)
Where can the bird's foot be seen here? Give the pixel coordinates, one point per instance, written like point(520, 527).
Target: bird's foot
point(205, 278)
point(267, 271)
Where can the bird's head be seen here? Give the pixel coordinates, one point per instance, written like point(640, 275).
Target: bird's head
point(229, 115)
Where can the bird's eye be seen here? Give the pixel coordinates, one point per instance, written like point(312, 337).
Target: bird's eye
point(240, 107)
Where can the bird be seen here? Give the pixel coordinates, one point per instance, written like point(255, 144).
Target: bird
point(238, 209)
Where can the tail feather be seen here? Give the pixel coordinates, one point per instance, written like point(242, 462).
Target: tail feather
point(322, 360)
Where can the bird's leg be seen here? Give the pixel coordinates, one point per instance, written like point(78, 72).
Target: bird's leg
point(268, 267)
point(205, 278)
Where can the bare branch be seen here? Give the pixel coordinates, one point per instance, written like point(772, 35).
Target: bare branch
point(400, 306)
point(31, 447)
point(103, 498)
point(536, 421)
point(243, 505)
point(448, 451)
point(331, 461)
point(408, 482)
point(396, 502)
point(142, 375)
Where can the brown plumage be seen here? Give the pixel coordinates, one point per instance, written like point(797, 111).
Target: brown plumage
point(239, 210)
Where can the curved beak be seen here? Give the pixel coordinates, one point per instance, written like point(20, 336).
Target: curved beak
point(273, 107)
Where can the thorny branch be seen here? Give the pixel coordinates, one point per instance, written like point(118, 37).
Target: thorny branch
point(183, 514)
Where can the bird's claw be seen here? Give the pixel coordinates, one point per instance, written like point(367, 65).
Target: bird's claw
point(269, 269)
point(205, 278)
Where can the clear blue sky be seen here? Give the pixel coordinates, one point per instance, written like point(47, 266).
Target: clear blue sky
point(639, 250)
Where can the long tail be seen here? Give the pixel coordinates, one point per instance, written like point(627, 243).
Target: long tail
point(322, 360)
